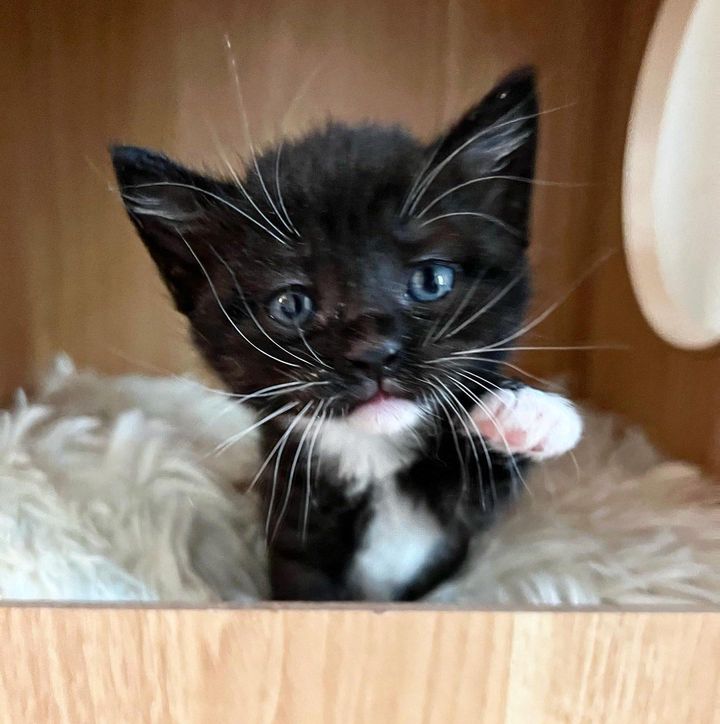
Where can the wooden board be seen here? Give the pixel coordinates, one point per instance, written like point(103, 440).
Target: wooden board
point(346, 666)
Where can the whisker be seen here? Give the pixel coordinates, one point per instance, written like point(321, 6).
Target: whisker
point(240, 435)
point(240, 185)
point(308, 472)
point(426, 405)
point(225, 312)
point(239, 290)
point(487, 217)
point(432, 175)
point(458, 310)
point(576, 464)
point(549, 348)
point(205, 192)
point(480, 380)
point(463, 471)
point(237, 397)
point(287, 220)
point(419, 178)
point(496, 424)
point(500, 177)
point(487, 306)
point(291, 474)
point(542, 317)
point(246, 124)
point(430, 333)
point(310, 349)
point(302, 90)
point(565, 348)
point(547, 383)
point(454, 401)
point(281, 389)
point(280, 448)
point(271, 454)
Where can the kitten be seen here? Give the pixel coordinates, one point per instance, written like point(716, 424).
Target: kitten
point(361, 290)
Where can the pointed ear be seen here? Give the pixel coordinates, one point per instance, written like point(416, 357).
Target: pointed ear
point(168, 204)
point(496, 137)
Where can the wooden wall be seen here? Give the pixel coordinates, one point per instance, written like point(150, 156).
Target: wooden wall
point(78, 74)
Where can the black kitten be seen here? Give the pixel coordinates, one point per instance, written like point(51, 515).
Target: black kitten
point(361, 289)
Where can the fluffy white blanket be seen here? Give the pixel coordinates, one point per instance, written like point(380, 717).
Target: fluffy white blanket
point(111, 490)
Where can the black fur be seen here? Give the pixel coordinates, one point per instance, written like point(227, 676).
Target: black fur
point(345, 190)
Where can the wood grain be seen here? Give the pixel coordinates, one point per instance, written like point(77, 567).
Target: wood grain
point(345, 666)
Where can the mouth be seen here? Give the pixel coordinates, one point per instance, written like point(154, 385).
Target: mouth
point(378, 400)
point(386, 409)
point(376, 393)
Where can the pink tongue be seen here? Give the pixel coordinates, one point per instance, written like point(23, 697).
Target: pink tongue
point(384, 413)
point(377, 399)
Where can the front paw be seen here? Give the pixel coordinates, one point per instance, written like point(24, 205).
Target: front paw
point(525, 421)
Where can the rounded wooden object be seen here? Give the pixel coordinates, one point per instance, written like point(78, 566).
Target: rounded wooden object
point(671, 195)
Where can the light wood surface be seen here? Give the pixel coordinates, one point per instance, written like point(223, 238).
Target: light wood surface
point(78, 74)
point(347, 666)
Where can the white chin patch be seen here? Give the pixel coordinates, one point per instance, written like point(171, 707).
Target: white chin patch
point(385, 417)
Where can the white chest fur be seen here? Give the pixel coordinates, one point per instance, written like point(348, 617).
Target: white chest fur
point(364, 457)
point(402, 536)
point(401, 539)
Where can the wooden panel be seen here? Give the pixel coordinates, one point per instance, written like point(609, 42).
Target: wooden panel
point(320, 666)
point(15, 339)
point(82, 73)
point(79, 75)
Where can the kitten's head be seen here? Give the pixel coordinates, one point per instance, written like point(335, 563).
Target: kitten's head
point(352, 271)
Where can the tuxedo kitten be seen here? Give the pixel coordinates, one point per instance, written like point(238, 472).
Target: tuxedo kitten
point(362, 291)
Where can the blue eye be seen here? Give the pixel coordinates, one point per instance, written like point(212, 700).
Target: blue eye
point(292, 308)
point(431, 281)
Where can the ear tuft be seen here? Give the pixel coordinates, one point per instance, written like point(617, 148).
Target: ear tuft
point(473, 164)
point(168, 204)
point(505, 121)
point(134, 164)
point(519, 83)
point(152, 185)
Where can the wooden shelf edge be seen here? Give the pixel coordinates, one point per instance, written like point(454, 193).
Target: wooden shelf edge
point(307, 664)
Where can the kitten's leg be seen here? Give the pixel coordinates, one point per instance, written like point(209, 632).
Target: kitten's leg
point(311, 548)
point(529, 422)
point(294, 580)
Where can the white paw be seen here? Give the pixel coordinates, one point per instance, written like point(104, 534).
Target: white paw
point(526, 421)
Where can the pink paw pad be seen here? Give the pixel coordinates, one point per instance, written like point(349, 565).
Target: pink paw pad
point(529, 422)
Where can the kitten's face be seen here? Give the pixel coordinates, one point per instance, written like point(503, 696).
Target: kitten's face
point(353, 270)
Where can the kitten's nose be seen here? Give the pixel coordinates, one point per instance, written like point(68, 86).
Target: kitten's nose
point(374, 356)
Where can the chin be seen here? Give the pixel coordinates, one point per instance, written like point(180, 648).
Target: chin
point(387, 416)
